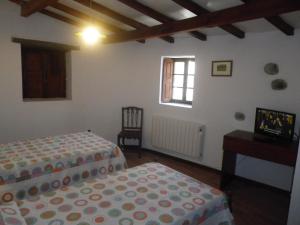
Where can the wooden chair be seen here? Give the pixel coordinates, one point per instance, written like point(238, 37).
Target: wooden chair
point(132, 126)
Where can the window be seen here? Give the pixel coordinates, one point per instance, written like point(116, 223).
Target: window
point(178, 80)
point(44, 73)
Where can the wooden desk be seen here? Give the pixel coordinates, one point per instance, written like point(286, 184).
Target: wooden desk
point(244, 143)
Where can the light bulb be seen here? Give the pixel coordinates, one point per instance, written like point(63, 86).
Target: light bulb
point(91, 35)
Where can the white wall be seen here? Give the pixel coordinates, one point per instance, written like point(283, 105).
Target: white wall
point(20, 119)
point(108, 77)
point(294, 212)
point(128, 74)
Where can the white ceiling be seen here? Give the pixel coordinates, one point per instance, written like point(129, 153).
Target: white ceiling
point(171, 9)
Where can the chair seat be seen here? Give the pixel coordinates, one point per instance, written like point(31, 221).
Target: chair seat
point(130, 134)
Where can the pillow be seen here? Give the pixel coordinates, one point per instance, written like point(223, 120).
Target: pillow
point(10, 214)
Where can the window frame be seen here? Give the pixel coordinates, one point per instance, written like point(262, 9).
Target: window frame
point(185, 78)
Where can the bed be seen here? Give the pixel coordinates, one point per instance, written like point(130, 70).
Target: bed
point(150, 194)
point(30, 167)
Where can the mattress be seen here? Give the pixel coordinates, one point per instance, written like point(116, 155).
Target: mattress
point(150, 194)
point(29, 167)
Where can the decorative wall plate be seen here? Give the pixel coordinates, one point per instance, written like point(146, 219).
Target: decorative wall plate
point(271, 68)
point(279, 84)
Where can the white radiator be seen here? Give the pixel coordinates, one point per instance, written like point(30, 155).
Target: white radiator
point(179, 138)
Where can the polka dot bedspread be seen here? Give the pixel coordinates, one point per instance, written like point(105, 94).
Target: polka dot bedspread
point(150, 194)
point(30, 167)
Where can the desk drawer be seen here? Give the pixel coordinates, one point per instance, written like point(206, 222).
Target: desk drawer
point(266, 151)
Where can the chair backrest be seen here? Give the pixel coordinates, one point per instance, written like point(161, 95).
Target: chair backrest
point(132, 118)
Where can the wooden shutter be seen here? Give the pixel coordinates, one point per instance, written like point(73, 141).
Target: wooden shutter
point(55, 83)
point(33, 72)
point(44, 73)
point(167, 79)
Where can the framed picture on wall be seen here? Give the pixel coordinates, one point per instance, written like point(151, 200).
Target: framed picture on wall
point(222, 68)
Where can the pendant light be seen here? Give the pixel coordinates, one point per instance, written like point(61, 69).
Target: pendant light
point(90, 34)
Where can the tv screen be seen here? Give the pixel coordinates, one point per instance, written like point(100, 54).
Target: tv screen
point(275, 124)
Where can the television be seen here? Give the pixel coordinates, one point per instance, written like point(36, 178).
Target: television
point(275, 124)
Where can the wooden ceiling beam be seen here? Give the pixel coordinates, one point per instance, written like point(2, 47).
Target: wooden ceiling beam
point(278, 22)
point(117, 16)
point(83, 16)
point(199, 35)
point(146, 10)
point(73, 12)
point(60, 17)
point(158, 16)
point(253, 10)
point(33, 6)
point(198, 10)
point(53, 15)
point(111, 13)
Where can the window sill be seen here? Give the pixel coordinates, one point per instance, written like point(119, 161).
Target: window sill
point(45, 99)
point(176, 105)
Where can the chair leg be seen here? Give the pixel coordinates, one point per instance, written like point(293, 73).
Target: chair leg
point(123, 142)
point(119, 144)
point(140, 148)
point(229, 199)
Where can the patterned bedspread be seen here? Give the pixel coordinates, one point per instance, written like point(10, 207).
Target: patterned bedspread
point(151, 194)
point(32, 166)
